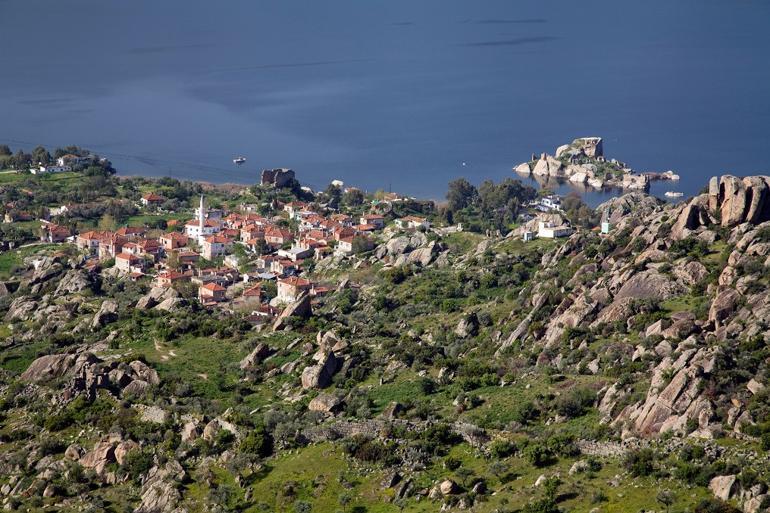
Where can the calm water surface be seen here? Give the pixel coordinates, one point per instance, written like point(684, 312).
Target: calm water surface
point(389, 94)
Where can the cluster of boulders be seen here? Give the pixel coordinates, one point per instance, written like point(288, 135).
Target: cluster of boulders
point(618, 289)
point(577, 163)
point(85, 374)
point(755, 499)
point(413, 248)
point(672, 403)
point(730, 201)
point(160, 298)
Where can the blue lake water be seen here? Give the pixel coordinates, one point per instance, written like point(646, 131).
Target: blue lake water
point(389, 94)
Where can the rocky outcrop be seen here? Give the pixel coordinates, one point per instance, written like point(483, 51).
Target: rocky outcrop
point(300, 308)
point(730, 201)
point(49, 367)
point(320, 375)
point(156, 296)
point(21, 308)
point(276, 177)
point(107, 313)
point(99, 457)
point(671, 404)
point(635, 182)
point(325, 403)
point(468, 326)
point(649, 285)
point(423, 256)
point(723, 486)
point(723, 306)
point(171, 304)
point(85, 374)
point(694, 214)
point(255, 357)
point(160, 488)
point(548, 166)
point(73, 282)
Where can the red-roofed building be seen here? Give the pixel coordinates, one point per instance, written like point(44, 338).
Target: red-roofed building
point(343, 232)
point(90, 240)
point(149, 247)
point(290, 289)
point(188, 258)
point(111, 246)
point(375, 220)
point(211, 293)
point(130, 232)
point(173, 240)
point(54, 233)
point(169, 278)
point(363, 228)
point(278, 236)
point(254, 292)
point(152, 199)
point(128, 263)
point(215, 246)
point(252, 232)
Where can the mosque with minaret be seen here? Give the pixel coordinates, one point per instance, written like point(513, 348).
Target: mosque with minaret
point(200, 228)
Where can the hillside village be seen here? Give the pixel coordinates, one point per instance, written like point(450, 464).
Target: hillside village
point(171, 347)
point(234, 258)
point(241, 259)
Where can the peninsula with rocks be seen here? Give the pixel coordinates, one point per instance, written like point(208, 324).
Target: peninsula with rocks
point(582, 162)
point(169, 346)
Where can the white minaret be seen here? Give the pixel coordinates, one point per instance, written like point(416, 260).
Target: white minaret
point(201, 221)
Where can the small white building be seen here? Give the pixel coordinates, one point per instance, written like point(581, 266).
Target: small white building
point(551, 202)
point(296, 253)
point(547, 230)
point(528, 235)
point(44, 170)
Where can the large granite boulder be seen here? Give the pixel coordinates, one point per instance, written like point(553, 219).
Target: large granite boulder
point(107, 313)
point(171, 304)
point(548, 166)
point(156, 296)
point(99, 457)
point(723, 306)
point(21, 308)
point(255, 357)
point(300, 308)
point(325, 403)
point(723, 486)
point(320, 375)
point(649, 285)
point(74, 281)
point(160, 489)
point(49, 367)
point(468, 326)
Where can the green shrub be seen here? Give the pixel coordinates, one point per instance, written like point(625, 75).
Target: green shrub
point(258, 442)
point(539, 455)
point(575, 402)
point(502, 448)
point(640, 462)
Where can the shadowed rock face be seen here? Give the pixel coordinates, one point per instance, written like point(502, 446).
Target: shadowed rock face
point(730, 201)
point(743, 200)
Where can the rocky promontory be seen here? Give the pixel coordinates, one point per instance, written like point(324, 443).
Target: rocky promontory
point(583, 162)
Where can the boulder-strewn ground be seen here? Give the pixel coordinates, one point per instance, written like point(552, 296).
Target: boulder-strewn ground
point(613, 373)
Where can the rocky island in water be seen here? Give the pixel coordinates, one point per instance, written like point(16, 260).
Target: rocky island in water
point(582, 162)
point(169, 346)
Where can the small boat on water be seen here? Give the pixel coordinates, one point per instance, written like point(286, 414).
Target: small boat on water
point(674, 194)
point(239, 160)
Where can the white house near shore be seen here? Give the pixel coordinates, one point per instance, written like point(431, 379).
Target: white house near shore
point(547, 230)
point(44, 170)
